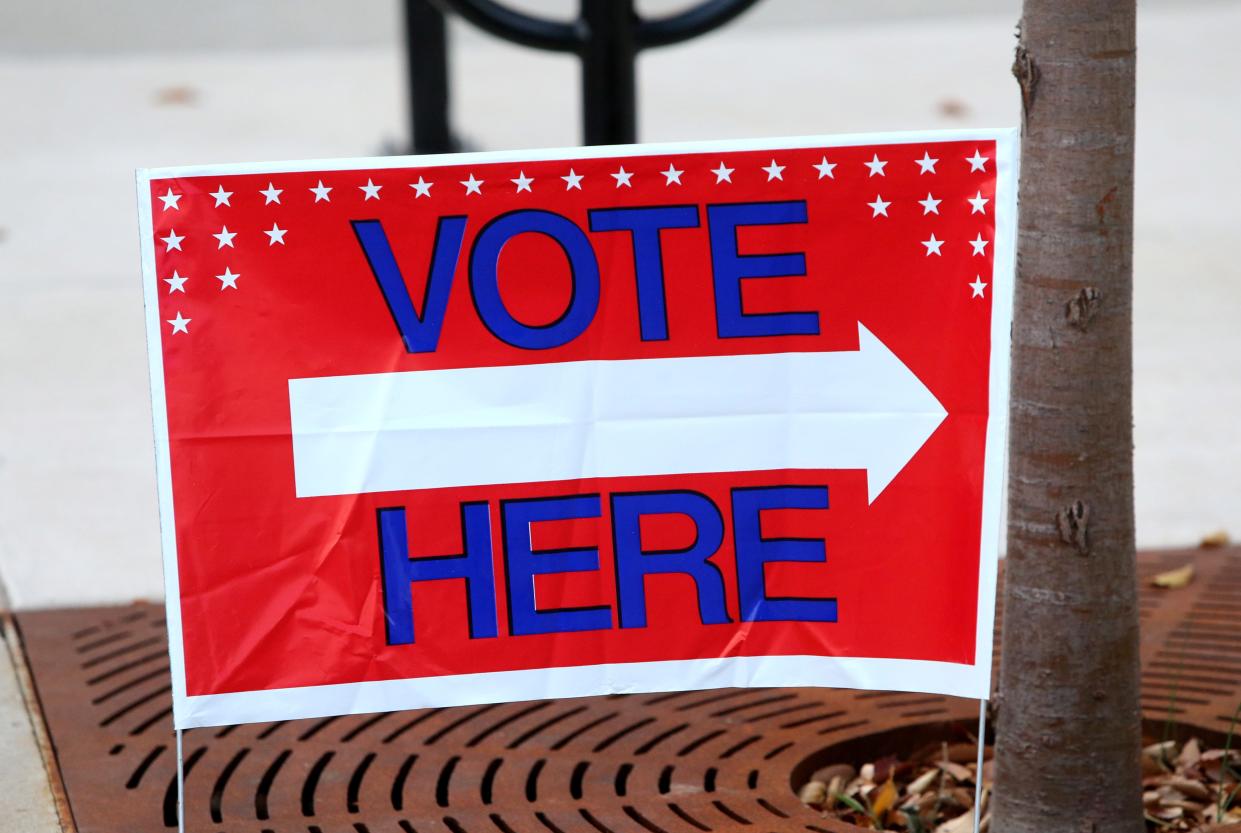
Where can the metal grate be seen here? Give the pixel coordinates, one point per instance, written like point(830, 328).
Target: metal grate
point(667, 763)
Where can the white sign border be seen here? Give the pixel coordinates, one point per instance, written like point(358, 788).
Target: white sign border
point(951, 679)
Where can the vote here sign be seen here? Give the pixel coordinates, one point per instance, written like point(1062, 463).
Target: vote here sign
point(459, 429)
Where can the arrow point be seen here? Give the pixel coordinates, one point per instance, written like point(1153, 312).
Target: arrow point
point(906, 413)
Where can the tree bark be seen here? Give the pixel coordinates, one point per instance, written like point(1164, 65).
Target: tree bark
point(1069, 723)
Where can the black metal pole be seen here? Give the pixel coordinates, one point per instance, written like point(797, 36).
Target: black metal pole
point(607, 36)
point(426, 39)
point(609, 76)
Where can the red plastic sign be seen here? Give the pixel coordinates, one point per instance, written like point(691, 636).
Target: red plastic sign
point(447, 430)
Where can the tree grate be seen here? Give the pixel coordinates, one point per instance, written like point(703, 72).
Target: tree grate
point(680, 762)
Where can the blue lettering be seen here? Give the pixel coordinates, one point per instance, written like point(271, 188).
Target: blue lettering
point(644, 225)
point(753, 552)
point(400, 571)
point(421, 333)
point(485, 279)
point(634, 564)
point(729, 269)
point(524, 563)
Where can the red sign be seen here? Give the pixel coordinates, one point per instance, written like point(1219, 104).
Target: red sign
point(447, 430)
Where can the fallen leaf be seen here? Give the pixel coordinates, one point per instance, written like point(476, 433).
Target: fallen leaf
point(957, 771)
point(963, 753)
point(176, 96)
point(813, 793)
point(953, 108)
point(962, 797)
point(1151, 767)
point(961, 824)
point(888, 767)
point(1179, 577)
point(1160, 751)
point(923, 781)
point(1218, 538)
point(884, 798)
point(1191, 752)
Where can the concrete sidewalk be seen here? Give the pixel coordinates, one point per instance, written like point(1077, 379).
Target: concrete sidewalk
point(77, 501)
point(26, 802)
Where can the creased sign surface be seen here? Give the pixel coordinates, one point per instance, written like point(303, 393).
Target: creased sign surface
point(458, 429)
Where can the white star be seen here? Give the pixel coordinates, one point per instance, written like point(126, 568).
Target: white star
point(926, 163)
point(572, 180)
point(978, 286)
point(173, 241)
point(978, 162)
point(225, 237)
point(622, 177)
point(272, 194)
point(876, 166)
point(522, 181)
point(473, 186)
point(930, 205)
point(932, 246)
point(170, 200)
point(979, 203)
point(176, 283)
point(825, 169)
point(179, 324)
point(321, 192)
point(228, 280)
point(221, 196)
point(422, 188)
point(370, 189)
point(277, 234)
point(723, 174)
point(774, 171)
point(672, 175)
point(980, 245)
point(879, 206)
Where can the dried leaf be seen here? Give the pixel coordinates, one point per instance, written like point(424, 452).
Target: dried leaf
point(1191, 788)
point(963, 753)
point(923, 781)
point(1191, 752)
point(957, 771)
point(961, 824)
point(856, 806)
point(1151, 767)
point(180, 95)
point(1218, 538)
point(884, 798)
point(962, 797)
point(814, 793)
point(1179, 577)
point(1160, 751)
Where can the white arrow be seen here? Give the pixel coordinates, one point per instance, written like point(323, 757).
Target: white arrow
point(430, 429)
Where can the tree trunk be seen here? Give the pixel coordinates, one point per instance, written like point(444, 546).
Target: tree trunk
point(1069, 723)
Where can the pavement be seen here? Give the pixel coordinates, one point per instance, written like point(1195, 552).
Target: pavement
point(92, 91)
point(26, 804)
